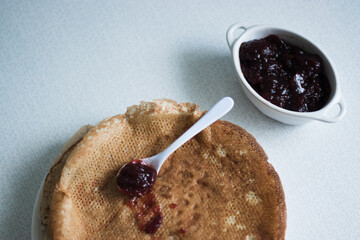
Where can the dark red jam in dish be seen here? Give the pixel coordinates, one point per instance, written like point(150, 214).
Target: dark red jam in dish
point(136, 178)
point(284, 74)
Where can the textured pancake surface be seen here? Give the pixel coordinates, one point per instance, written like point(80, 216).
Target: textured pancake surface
point(220, 181)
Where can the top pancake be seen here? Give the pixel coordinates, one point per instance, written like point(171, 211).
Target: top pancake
point(220, 180)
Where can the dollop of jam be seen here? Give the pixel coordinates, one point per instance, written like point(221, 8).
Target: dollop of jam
point(284, 74)
point(136, 179)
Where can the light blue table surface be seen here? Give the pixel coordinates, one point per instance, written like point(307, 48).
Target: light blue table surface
point(64, 64)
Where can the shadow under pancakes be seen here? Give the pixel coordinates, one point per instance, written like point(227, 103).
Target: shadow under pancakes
point(210, 75)
point(29, 179)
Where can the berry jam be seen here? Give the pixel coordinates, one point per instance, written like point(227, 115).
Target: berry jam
point(284, 74)
point(173, 205)
point(147, 212)
point(136, 178)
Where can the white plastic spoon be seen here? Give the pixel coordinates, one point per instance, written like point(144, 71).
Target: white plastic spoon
point(138, 181)
point(217, 111)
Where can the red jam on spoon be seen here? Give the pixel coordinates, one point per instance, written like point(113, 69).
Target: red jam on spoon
point(136, 178)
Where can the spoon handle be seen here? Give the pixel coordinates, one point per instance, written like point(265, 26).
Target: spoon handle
point(217, 111)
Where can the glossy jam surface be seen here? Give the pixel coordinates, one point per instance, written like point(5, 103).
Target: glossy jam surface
point(136, 178)
point(284, 74)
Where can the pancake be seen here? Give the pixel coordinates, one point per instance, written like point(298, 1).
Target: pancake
point(218, 185)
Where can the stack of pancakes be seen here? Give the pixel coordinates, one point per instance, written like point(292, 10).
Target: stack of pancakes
point(218, 185)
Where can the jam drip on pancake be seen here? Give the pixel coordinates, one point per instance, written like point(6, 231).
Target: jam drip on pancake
point(147, 212)
point(136, 179)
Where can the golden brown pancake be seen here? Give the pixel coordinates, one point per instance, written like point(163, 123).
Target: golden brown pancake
point(218, 185)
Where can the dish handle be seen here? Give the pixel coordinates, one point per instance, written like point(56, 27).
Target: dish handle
point(230, 36)
point(326, 117)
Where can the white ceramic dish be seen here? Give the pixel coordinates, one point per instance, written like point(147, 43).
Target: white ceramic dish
point(37, 229)
point(286, 116)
